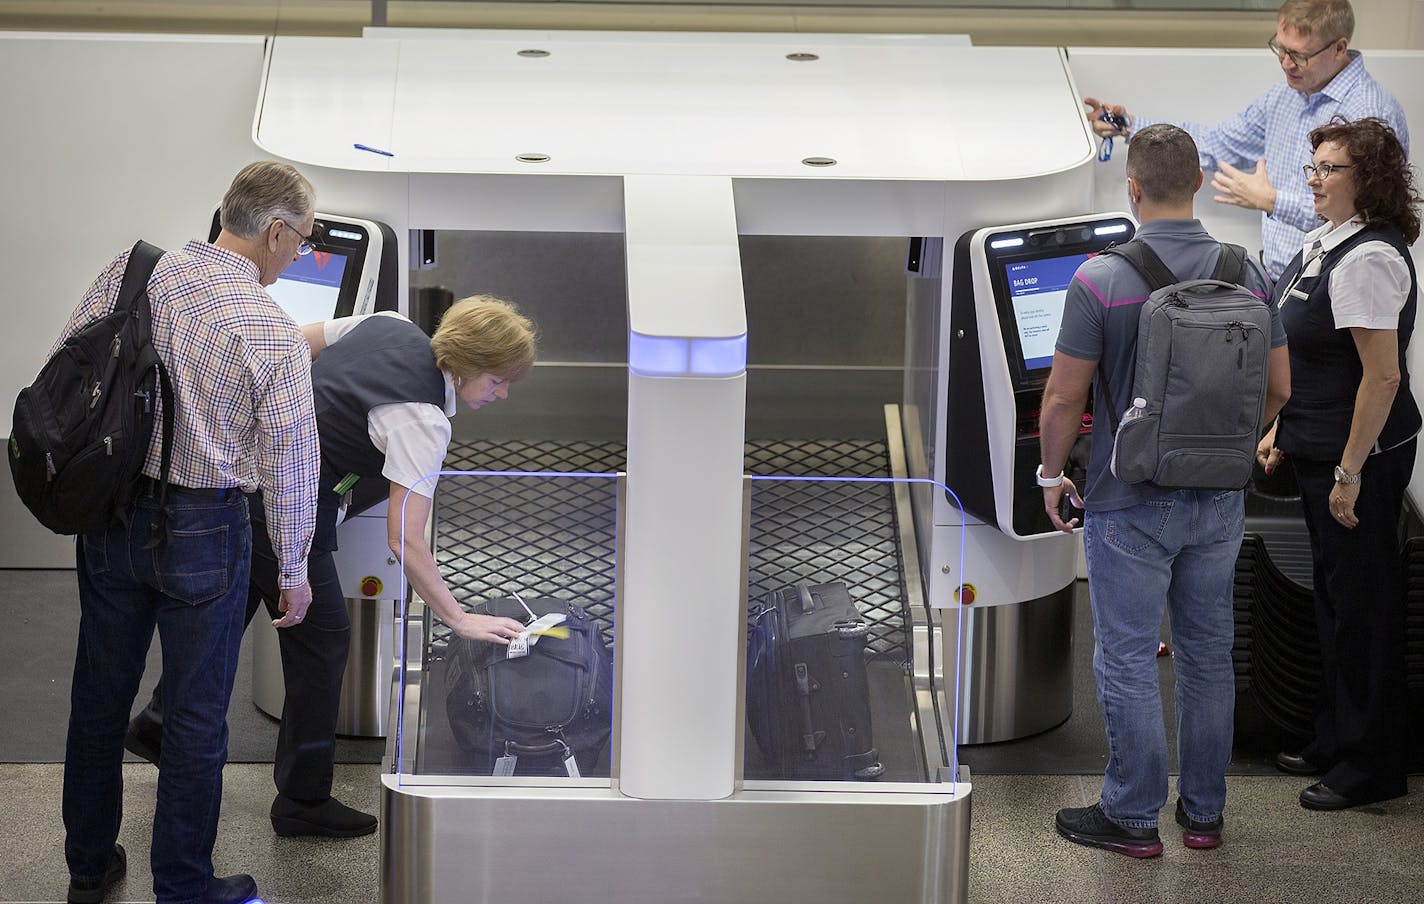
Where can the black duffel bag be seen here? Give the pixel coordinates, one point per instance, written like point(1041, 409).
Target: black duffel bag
point(546, 713)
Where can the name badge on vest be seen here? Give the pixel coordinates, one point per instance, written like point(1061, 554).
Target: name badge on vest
point(343, 489)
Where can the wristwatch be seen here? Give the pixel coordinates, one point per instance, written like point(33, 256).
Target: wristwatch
point(1343, 476)
point(1057, 481)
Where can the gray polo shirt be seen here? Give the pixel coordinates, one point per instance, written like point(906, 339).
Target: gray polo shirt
point(1100, 324)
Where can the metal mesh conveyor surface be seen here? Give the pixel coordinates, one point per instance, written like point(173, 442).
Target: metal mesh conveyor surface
point(557, 537)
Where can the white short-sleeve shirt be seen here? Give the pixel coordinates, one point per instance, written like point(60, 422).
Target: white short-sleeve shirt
point(414, 436)
point(1370, 284)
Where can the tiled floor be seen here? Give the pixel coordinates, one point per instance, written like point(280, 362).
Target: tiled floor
point(1274, 850)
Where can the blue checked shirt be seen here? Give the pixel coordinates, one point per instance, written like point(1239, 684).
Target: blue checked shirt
point(241, 375)
point(1277, 126)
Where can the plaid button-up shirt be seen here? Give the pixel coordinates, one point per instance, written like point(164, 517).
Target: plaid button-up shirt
point(241, 375)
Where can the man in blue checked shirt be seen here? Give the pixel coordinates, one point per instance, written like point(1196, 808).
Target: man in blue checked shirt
point(1257, 154)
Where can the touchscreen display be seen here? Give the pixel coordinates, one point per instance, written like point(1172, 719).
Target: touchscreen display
point(308, 289)
point(1037, 289)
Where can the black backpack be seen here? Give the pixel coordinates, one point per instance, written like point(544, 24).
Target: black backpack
point(81, 431)
point(549, 712)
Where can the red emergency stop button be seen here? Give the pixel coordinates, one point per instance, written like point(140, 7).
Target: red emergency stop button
point(370, 586)
point(965, 593)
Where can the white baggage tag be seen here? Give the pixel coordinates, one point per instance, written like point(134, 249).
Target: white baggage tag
point(518, 646)
point(571, 766)
point(504, 766)
point(542, 624)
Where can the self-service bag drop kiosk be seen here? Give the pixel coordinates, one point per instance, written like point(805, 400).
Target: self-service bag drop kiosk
point(979, 357)
point(351, 271)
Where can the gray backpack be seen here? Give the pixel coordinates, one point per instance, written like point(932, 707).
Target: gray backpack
point(1199, 381)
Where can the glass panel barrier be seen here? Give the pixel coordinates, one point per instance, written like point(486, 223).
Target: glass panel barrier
point(835, 623)
point(538, 548)
point(841, 683)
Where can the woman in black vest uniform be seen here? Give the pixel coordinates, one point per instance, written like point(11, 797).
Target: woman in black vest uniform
point(1348, 302)
point(383, 393)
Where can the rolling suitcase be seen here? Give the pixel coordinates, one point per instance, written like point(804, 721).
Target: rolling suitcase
point(548, 712)
point(808, 700)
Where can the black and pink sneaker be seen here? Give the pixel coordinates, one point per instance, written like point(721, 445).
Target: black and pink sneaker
point(1198, 834)
point(1091, 826)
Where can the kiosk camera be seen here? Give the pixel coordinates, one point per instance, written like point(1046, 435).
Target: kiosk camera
point(979, 357)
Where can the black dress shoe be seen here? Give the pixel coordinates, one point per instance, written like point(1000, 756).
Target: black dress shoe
point(328, 818)
point(1295, 764)
point(1321, 796)
point(237, 889)
point(92, 891)
point(143, 744)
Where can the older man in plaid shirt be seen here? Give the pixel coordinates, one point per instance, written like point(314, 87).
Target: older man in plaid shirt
point(242, 420)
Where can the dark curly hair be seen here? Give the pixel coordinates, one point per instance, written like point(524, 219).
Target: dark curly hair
point(1385, 194)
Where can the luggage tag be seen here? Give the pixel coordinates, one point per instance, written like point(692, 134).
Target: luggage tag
point(504, 766)
point(519, 646)
point(571, 765)
point(544, 624)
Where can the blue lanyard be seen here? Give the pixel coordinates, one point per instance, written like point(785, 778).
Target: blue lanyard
point(1118, 122)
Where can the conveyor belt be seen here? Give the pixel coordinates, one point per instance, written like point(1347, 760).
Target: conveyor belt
point(556, 537)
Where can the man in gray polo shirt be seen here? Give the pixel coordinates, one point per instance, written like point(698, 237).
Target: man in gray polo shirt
point(1148, 547)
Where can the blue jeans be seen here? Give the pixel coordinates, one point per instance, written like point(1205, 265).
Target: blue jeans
point(1179, 550)
point(193, 587)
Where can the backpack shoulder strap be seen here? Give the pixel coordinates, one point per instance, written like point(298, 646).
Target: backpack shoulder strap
point(142, 259)
point(133, 295)
point(1145, 261)
point(1231, 264)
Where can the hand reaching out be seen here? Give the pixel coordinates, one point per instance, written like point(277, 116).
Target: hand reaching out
point(1239, 188)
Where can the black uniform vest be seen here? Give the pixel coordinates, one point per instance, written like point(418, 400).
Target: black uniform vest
point(1325, 365)
point(382, 360)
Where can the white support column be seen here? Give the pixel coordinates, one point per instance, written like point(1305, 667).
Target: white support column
point(680, 607)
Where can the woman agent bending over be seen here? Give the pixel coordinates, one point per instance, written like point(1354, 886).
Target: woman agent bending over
point(1348, 303)
point(384, 393)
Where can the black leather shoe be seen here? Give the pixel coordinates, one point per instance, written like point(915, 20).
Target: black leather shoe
point(92, 891)
point(1295, 764)
point(328, 818)
point(1321, 796)
point(237, 889)
point(141, 743)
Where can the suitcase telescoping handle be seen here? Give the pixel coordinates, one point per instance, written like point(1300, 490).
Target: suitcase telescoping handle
point(810, 737)
point(808, 602)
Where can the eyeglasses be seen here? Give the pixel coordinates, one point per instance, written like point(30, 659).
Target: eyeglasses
point(1296, 57)
point(308, 244)
point(1323, 171)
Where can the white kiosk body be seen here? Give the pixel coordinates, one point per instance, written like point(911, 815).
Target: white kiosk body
point(980, 349)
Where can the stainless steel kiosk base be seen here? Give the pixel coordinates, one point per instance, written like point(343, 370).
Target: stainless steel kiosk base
point(1017, 672)
point(904, 843)
point(366, 683)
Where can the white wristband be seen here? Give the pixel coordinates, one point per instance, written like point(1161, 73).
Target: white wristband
point(1047, 481)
